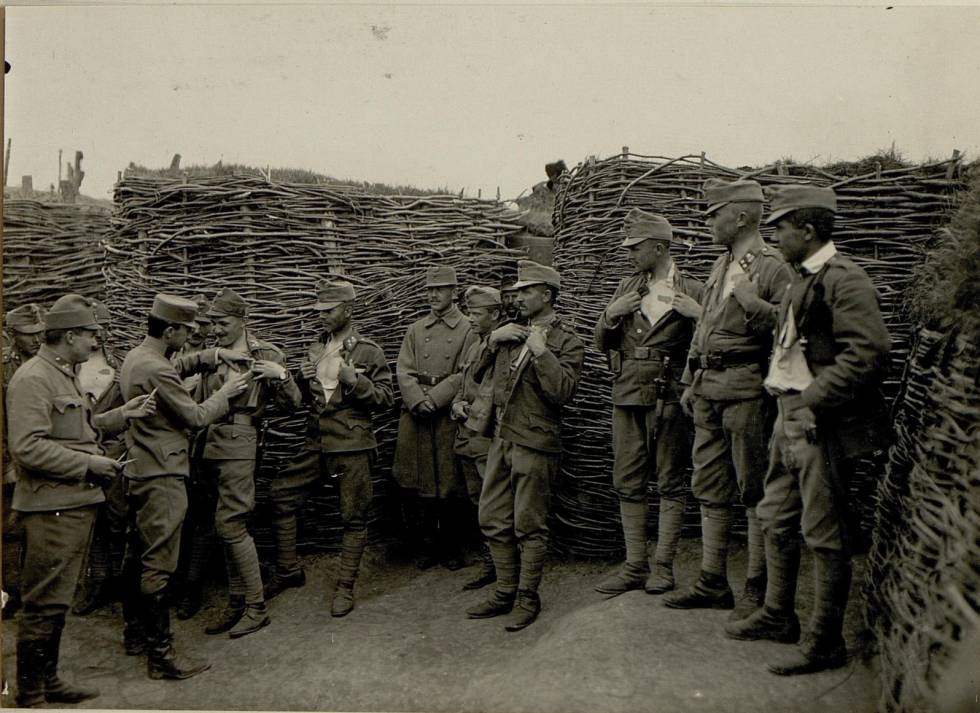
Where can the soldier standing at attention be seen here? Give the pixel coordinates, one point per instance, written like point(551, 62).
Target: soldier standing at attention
point(428, 379)
point(731, 413)
point(830, 353)
point(535, 373)
point(473, 409)
point(55, 446)
point(229, 457)
point(344, 378)
point(158, 446)
point(26, 325)
point(646, 332)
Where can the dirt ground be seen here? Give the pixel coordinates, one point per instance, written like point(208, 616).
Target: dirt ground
point(408, 647)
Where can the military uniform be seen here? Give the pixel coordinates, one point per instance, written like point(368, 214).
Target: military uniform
point(651, 434)
point(340, 443)
point(830, 353)
point(529, 393)
point(732, 416)
point(425, 465)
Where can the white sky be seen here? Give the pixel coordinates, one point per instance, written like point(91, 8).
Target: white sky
point(480, 96)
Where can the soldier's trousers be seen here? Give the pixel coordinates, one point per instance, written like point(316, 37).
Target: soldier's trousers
point(13, 537)
point(516, 496)
point(642, 448)
point(157, 507)
point(806, 485)
point(730, 452)
point(474, 471)
point(55, 544)
point(236, 500)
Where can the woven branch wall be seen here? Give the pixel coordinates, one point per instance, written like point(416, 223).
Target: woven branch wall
point(50, 249)
point(886, 222)
point(271, 242)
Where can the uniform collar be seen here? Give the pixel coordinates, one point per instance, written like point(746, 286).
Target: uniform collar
point(63, 365)
point(752, 245)
point(671, 272)
point(451, 317)
point(815, 262)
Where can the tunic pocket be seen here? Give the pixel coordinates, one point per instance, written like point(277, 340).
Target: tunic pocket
point(66, 418)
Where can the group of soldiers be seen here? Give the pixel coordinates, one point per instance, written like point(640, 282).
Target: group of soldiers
point(776, 359)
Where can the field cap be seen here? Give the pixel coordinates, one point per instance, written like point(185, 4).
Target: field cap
point(330, 293)
point(440, 276)
point(786, 199)
point(531, 273)
point(71, 312)
point(480, 296)
point(174, 310)
point(638, 225)
point(26, 319)
point(720, 193)
point(228, 303)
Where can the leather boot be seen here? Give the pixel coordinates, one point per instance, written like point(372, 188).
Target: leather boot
point(711, 591)
point(134, 629)
point(526, 610)
point(452, 529)
point(661, 579)
point(669, 524)
point(631, 575)
point(55, 689)
point(190, 601)
point(823, 648)
point(765, 624)
point(428, 554)
point(278, 584)
point(487, 574)
point(162, 660)
point(255, 617)
point(31, 660)
point(776, 620)
point(233, 611)
point(497, 604)
point(350, 562)
point(751, 599)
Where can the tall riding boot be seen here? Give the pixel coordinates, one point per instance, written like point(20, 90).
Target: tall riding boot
point(288, 572)
point(501, 599)
point(528, 604)
point(351, 552)
point(633, 573)
point(776, 620)
point(427, 555)
point(452, 531)
point(55, 689)
point(754, 594)
point(486, 574)
point(162, 659)
point(711, 591)
point(822, 648)
point(31, 661)
point(669, 525)
point(134, 615)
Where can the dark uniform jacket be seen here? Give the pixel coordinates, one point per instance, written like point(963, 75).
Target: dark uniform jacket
point(736, 341)
point(12, 361)
point(158, 444)
point(636, 349)
point(529, 399)
point(846, 345)
point(235, 436)
point(53, 435)
point(343, 424)
point(475, 434)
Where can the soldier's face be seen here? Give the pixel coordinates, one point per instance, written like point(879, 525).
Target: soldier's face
point(83, 343)
point(510, 303)
point(483, 319)
point(28, 343)
point(647, 255)
point(724, 224)
point(335, 319)
point(199, 334)
point(794, 243)
point(228, 330)
point(532, 299)
point(440, 298)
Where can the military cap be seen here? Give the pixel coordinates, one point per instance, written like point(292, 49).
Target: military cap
point(26, 319)
point(101, 311)
point(174, 310)
point(480, 296)
point(440, 276)
point(532, 273)
point(720, 193)
point(509, 287)
point(638, 225)
point(330, 293)
point(202, 309)
point(228, 303)
point(71, 312)
point(786, 199)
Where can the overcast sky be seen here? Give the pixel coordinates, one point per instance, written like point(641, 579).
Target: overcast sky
point(481, 96)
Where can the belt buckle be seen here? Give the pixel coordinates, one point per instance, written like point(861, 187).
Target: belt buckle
point(713, 360)
point(642, 353)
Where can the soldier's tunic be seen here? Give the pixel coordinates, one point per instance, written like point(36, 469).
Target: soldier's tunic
point(52, 441)
point(636, 349)
point(158, 446)
point(428, 366)
point(833, 310)
point(726, 365)
point(474, 436)
point(12, 532)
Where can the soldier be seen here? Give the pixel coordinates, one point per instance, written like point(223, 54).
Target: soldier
point(54, 443)
point(536, 368)
point(473, 409)
point(724, 394)
point(646, 332)
point(827, 366)
point(343, 380)
point(428, 378)
point(26, 325)
point(508, 298)
point(158, 446)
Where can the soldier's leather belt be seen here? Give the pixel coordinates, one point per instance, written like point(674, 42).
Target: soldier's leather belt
point(429, 380)
point(645, 354)
point(242, 419)
point(724, 360)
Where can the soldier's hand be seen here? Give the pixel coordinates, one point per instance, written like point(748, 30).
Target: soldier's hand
point(235, 360)
point(235, 385)
point(101, 469)
point(536, 341)
point(307, 370)
point(686, 405)
point(141, 406)
point(745, 291)
point(510, 332)
point(686, 306)
point(266, 369)
point(425, 408)
point(347, 374)
point(622, 306)
point(461, 410)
